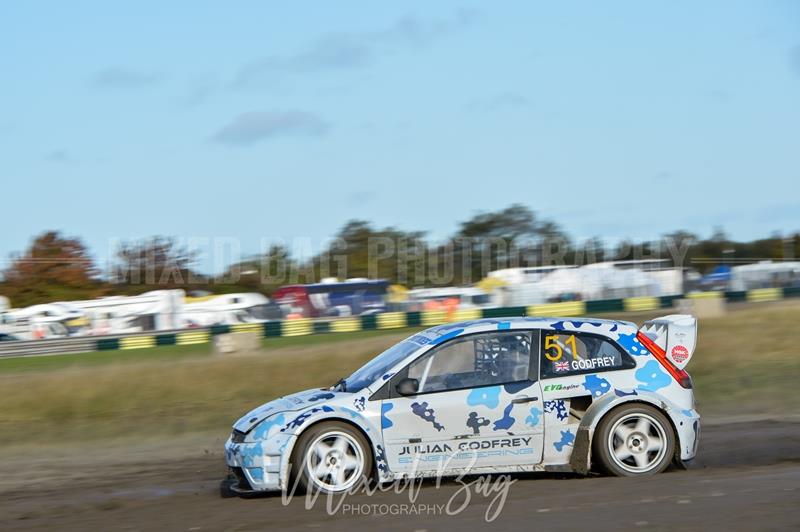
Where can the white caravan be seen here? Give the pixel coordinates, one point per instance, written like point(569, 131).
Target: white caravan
point(228, 309)
point(48, 320)
point(602, 280)
point(159, 310)
point(765, 274)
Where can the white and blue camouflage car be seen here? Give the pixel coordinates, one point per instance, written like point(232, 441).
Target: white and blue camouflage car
point(484, 396)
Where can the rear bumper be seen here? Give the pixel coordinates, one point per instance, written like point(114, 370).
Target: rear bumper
point(687, 425)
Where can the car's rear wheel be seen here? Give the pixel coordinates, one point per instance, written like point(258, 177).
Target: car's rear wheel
point(634, 440)
point(332, 457)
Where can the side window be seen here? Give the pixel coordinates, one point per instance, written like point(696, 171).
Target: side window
point(569, 353)
point(478, 360)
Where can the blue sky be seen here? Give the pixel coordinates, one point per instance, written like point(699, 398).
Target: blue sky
point(255, 120)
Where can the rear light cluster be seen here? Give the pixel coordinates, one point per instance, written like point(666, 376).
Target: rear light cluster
point(679, 375)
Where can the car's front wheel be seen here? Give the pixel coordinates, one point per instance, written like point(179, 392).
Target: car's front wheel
point(634, 440)
point(332, 457)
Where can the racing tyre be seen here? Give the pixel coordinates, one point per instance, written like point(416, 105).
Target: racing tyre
point(634, 440)
point(331, 457)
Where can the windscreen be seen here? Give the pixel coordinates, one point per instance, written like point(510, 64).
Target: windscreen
point(380, 365)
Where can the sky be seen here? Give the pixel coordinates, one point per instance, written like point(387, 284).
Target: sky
point(257, 121)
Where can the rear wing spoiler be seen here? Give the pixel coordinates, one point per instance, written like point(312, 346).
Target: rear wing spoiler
point(676, 334)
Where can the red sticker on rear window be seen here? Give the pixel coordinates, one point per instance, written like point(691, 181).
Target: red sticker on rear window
point(679, 353)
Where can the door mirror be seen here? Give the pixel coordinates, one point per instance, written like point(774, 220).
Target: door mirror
point(407, 386)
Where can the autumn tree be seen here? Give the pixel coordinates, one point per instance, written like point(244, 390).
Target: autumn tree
point(54, 268)
point(155, 263)
point(510, 237)
point(264, 273)
point(360, 250)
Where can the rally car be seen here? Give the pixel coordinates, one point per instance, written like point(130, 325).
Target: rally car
point(484, 396)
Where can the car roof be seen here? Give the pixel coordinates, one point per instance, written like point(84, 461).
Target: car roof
point(599, 325)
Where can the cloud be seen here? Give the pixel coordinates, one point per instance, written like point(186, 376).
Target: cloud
point(361, 198)
point(58, 156)
point(346, 51)
point(794, 59)
point(198, 91)
point(719, 96)
point(249, 128)
point(123, 78)
point(663, 175)
point(498, 102)
point(330, 52)
point(411, 31)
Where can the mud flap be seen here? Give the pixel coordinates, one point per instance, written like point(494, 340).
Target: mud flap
point(579, 461)
point(679, 464)
point(226, 488)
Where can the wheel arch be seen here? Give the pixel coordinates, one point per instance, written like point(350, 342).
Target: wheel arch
point(346, 421)
point(290, 447)
point(581, 460)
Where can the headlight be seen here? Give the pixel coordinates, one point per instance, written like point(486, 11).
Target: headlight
point(237, 436)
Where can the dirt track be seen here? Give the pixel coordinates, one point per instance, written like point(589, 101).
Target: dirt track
point(746, 477)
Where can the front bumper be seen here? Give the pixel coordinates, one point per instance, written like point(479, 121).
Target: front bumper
point(258, 466)
point(236, 484)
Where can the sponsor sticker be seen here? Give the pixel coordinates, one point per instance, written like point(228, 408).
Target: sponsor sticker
point(592, 363)
point(561, 387)
point(679, 353)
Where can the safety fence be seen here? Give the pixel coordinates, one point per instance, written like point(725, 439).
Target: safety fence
point(385, 320)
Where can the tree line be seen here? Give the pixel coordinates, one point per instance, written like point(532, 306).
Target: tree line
point(60, 268)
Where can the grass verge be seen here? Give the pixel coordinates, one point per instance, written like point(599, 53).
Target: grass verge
point(746, 362)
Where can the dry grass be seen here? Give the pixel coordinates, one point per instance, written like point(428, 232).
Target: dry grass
point(168, 396)
point(746, 362)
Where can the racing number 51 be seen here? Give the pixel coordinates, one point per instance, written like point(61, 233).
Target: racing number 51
point(551, 342)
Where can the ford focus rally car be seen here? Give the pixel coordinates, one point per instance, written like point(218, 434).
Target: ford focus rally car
point(485, 396)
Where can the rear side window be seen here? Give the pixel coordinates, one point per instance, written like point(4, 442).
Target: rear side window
point(573, 353)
